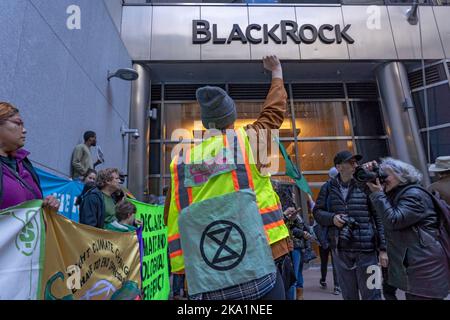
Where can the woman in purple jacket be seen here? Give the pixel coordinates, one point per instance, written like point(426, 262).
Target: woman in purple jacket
point(18, 180)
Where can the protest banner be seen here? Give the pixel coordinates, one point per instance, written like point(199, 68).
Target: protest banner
point(65, 190)
point(155, 264)
point(22, 240)
point(86, 263)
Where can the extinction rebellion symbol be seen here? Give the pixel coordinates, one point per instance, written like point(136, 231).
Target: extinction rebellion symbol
point(223, 245)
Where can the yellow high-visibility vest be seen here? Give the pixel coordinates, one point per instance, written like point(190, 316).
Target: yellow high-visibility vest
point(245, 176)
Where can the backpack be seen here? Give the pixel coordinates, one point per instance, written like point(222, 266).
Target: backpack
point(443, 213)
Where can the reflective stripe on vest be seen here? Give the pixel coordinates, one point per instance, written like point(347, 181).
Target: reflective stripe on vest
point(175, 245)
point(271, 215)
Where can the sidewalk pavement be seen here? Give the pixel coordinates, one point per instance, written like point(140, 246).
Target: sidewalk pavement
point(311, 287)
point(312, 291)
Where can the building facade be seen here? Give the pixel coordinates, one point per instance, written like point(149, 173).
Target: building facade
point(54, 59)
point(353, 73)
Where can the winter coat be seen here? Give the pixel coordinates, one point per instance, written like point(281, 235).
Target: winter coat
point(369, 236)
point(417, 261)
point(92, 208)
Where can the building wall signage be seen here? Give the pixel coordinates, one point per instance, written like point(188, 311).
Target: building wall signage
point(248, 32)
point(203, 32)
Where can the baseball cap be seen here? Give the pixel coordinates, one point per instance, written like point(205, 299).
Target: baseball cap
point(344, 156)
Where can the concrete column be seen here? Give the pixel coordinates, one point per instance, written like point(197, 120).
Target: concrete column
point(400, 117)
point(138, 161)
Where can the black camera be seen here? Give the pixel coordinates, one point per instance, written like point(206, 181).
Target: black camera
point(364, 175)
point(346, 233)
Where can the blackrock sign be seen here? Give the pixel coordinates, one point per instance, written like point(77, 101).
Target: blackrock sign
point(254, 33)
point(210, 32)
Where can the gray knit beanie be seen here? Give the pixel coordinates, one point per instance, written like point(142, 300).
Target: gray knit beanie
point(217, 108)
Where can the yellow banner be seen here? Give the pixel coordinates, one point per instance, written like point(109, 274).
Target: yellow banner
point(86, 263)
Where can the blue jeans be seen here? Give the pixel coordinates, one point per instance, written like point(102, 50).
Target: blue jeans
point(298, 266)
point(290, 295)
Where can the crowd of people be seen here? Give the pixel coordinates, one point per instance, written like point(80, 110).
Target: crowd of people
point(232, 234)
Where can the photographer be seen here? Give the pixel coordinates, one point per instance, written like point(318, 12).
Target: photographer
point(417, 260)
point(356, 233)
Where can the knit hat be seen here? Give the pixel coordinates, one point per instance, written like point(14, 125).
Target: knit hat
point(217, 108)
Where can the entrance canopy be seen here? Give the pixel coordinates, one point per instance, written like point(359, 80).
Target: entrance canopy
point(253, 72)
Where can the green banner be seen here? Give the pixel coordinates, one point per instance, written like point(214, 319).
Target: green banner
point(155, 264)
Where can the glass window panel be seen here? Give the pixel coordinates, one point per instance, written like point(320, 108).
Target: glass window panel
point(187, 116)
point(169, 147)
point(157, 193)
point(155, 125)
point(153, 187)
point(366, 118)
point(319, 155)
point(420, 109)
point(248, 112)
point(425, 145)
point(440, 143)
point(166, 182)
point(155, 163)
point(315, 191)
point(182, 116)
point(439, 110)
point(438, 104)
point(321, 119)
point(316, 177)
point(277, 164)
point(372, 149)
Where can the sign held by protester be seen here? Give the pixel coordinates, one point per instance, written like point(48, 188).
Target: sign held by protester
point(155, 273)
point(22, 237)
point(86, 263)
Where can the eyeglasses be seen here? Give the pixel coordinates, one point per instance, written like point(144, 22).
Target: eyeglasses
point(18, 123)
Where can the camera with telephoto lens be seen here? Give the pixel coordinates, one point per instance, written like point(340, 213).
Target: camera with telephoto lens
point(364, 175)
point(346, 233)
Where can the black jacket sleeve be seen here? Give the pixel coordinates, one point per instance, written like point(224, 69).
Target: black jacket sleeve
point(322, 216)
point(408, 210)
point(379, 228)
